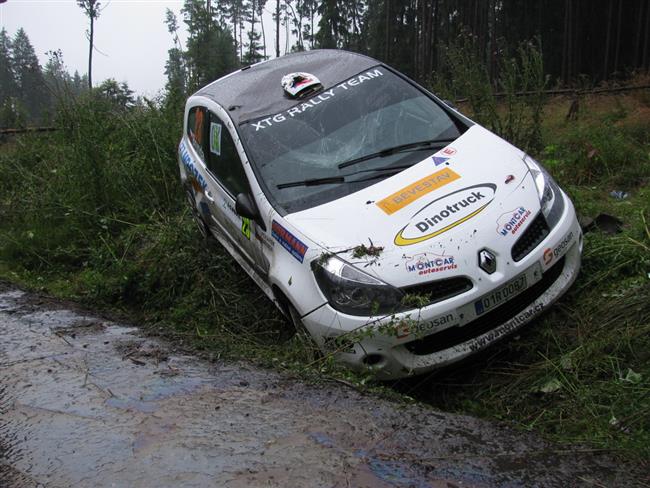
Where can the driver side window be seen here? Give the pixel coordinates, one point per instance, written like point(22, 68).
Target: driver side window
point(223, 159)
point(196, 129)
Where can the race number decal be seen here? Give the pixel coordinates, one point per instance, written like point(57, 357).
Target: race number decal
point(246, 227)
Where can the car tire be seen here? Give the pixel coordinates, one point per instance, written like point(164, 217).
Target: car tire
point(198, 219)
point(302, 334)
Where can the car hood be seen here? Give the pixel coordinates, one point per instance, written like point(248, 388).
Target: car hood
point(431, 219)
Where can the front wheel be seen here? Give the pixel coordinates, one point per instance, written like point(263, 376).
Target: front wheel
point(302, 335)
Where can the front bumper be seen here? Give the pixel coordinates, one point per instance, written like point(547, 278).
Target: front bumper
point(450, 331)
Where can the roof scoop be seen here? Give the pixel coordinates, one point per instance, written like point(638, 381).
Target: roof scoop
point(300, 85)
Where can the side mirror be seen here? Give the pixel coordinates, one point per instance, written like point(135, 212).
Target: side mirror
point(245, 207)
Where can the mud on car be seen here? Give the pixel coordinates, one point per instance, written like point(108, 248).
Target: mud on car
point(399, 233)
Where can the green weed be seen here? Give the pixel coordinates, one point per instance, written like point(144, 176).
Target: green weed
point(518, 115)
point(95, 212)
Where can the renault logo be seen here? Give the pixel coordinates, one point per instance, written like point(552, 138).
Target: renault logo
point(487, 261)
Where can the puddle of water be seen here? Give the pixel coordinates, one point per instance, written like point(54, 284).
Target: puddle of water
point(76, 410)
point(9, 300)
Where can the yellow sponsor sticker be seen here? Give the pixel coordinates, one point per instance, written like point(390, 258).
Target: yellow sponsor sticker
point(409, 194)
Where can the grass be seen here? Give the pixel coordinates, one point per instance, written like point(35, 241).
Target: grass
point(95, 213)
point(581, 374)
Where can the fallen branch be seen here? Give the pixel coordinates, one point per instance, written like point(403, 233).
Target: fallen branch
point(567, 91)
point(28, 129)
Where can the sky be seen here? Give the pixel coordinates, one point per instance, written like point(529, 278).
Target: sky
point(130, 36)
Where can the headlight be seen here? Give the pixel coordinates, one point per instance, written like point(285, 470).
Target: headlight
point(351, 291)
point(550, 195)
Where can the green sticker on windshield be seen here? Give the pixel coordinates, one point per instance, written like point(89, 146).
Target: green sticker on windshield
point(215, 138)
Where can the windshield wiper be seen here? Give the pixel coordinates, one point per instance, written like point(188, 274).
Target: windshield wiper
point(330, 180)
point(413, 146)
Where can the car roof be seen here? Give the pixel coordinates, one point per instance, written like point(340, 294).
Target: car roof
point(255, 91)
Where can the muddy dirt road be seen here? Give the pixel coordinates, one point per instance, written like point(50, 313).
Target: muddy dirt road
point(85, 402)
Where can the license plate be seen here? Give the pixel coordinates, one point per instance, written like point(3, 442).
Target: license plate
point(502, 294)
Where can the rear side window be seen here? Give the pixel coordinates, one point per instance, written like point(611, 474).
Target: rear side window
point(223, 159)
point(196, 129)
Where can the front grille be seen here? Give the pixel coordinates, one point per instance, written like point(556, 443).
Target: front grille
point(457, 335)
point(532, 236)
point(436, 291)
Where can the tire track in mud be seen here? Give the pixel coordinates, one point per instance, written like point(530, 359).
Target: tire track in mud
point(89, 402)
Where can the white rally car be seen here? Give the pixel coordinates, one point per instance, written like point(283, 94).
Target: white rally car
point(400, 234)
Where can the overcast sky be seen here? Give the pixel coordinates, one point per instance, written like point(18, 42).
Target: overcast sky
point(131, 34)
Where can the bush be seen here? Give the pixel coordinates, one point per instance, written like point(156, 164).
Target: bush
point(519, 78)
point(96, 210)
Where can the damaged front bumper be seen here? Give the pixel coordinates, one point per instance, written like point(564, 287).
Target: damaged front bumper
point(438, 335)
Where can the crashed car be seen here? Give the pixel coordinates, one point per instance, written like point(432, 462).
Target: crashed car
point(398, 233)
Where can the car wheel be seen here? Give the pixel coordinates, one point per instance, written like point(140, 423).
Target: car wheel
point(302, 335)
point(196, 216)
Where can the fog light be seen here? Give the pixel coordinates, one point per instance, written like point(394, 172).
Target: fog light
point(373, 360)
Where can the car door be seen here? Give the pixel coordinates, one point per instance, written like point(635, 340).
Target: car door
point(226, 180)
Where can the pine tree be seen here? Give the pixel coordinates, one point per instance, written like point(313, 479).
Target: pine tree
point(8, 88)
point(119, 94)
point(56, 76)
point(175, 72)
point(234, 11)
point(340, 24)
point(175, 65)
point(79, 83)
point(331, 27)
point(253, 46)
point(33, 95)
point(210, 51)
point(307, 9)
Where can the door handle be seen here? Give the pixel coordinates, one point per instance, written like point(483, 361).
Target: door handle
point(209, 196)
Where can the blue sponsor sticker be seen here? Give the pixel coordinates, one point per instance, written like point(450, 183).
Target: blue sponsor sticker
point(437, 160)
point(291, 243)
point(190, 167)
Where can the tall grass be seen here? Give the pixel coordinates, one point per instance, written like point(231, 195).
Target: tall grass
point(517, 115)
point(582, 372)
point(95, 212)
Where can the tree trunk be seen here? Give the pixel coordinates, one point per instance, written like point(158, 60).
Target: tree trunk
point(618, 34)
point(90, 51)
point(565, 43)
point(608, 40)
point(263, 34)
point(387, 27)
point(434, 42)
point(235, 19)
point(241, 39)
point(637, 39)
point(277, 28)
point(251, 47)
point(646, 62)
point(287, 36)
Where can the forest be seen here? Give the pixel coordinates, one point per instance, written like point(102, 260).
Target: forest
point(92, 210)
point(582, 42)
point(589, 40)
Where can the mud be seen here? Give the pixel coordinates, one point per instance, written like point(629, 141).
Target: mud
point(87, 402)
